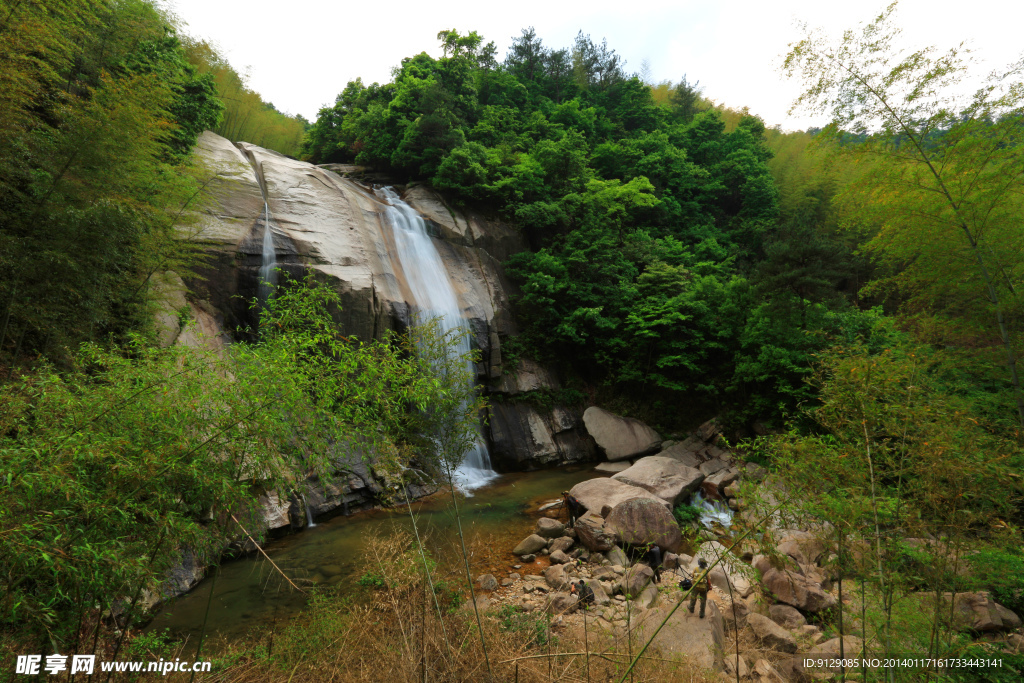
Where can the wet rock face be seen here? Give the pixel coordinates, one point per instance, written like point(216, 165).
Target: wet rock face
point(324, 221)
point(620, 437)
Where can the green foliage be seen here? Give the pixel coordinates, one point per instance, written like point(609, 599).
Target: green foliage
point(246, 116)
point(100, 110)
point(1000, 570)
point(686, 515)
point(514, 619)
point(114, 466)
point(371, 580)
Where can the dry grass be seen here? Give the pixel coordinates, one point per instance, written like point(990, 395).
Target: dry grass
point(396, 632)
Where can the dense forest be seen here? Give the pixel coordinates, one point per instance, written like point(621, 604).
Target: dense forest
point(684, 252)
point(844, 300)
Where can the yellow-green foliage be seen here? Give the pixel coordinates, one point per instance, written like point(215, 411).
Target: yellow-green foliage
point(247, 116)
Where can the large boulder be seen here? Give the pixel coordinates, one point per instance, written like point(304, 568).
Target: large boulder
point(591, 532)
point(804, 547)
point(595, 494)
point(666, 478)
point(641, 521)
point(619, 437)
point(771, 635)
point(684, 453)
point(979, 612)
point(796, 590)
point(636, 579)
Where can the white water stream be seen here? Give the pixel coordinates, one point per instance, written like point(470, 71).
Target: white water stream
point(712, 510)
point(434, 298)
point(268, 263)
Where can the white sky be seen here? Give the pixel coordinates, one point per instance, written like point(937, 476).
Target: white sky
point(301, 53)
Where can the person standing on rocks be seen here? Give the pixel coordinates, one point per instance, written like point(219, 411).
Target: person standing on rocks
point(701, 586)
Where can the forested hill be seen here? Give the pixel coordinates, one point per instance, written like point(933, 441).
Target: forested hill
point(653, 216)
point(100, 106)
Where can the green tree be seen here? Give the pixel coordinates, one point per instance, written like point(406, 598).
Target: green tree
point(945, 178)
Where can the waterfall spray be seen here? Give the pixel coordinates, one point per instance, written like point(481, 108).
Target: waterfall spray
point(434, 297)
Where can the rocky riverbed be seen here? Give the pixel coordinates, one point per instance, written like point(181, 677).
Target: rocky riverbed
point(772, 603)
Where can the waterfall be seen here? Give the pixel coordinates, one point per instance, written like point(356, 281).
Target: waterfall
point(309, 515)
point(268, 263)
point(434, 297)
point(711, 510)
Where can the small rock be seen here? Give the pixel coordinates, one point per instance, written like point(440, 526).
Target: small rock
point(526, 558)
point(506, 582)
point(517, 566)
point(487, 582)
point(558, 557)
point(514, 575)
point(549, 528)
point(563, 544)
point(531, 544)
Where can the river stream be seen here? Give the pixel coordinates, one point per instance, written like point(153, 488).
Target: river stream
point(249, 594)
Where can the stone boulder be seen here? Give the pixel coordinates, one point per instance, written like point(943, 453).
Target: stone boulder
point(617, 557)
point(796, 590)
point(636, 579)
point(979, 612)
point(549, 528)
point(563, 544)
point(719, 481)
point(529, 545)
point(601, 598)
point(619, 437)
point(804, 547)
point(591, 532)
point(684, 453)
point(771, 635)
point(712, 466)
point(595, 494)
point(557, 577)
point(666, 478)
point(488, 582)
point(786, 616)
point(560, 602)
point(559, 557)
point(735, 614)
point(640, 521)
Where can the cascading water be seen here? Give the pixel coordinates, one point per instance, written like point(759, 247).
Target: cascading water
point(711, 511)
point(309, 514)
point(268, 262)
point(434, 298)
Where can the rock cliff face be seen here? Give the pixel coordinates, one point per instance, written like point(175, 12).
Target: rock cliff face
point(328, 222)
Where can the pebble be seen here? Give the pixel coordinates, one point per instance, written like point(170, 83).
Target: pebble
point(517, 566)
point(514, 575)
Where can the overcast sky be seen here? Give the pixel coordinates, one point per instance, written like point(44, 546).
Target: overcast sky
point(301, 53)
